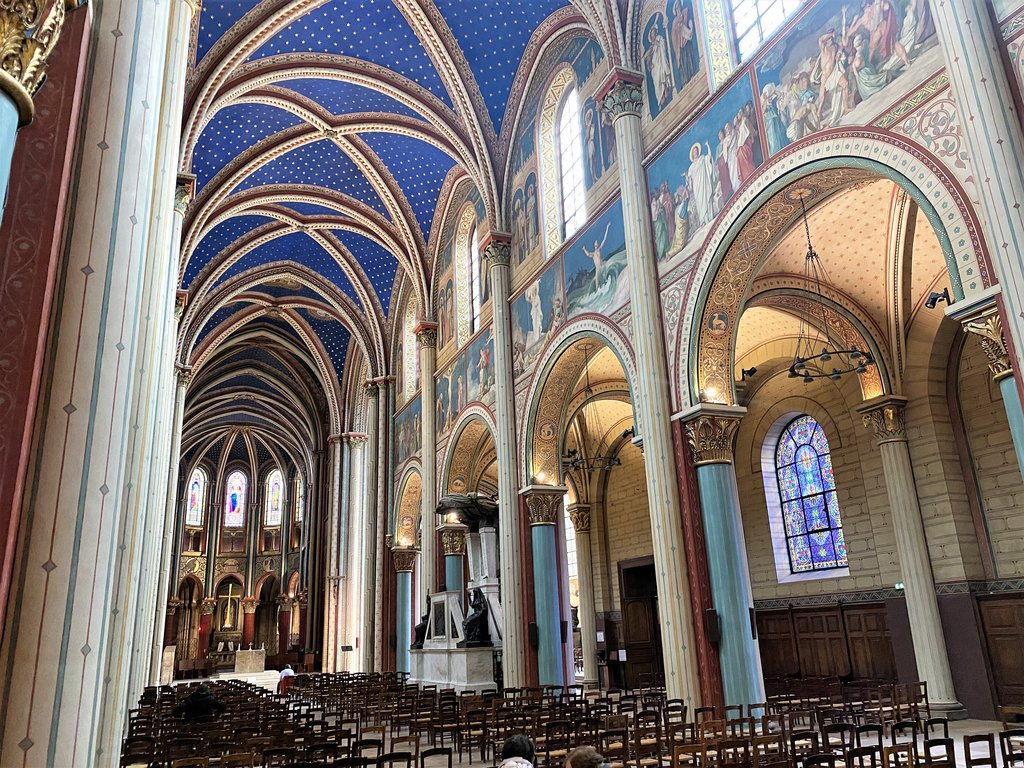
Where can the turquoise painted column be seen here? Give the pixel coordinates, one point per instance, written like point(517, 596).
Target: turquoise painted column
point(982, 320)
point(10, 121)
point(544, 505)
point(453, 541)
point(711, 430)
point(405, 561)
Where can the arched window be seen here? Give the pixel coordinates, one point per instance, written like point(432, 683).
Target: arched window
point(474, 280)
point(754, 21)
point(196, 501)
point(461, 321)
point(807, 490)
point(570, 166)
point(274, 500)
point(300, 498)
point(235, 494)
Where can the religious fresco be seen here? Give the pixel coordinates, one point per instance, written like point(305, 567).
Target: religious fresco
point(671, 53)
point(451, 393)
point(525, 226)
point(479, 358)
point(595, 266)
point(451, 273)
point(468, 379)
point(536, 314)
point(598, 142)
point(408, 431)
point(694, 178)
point(837, 56)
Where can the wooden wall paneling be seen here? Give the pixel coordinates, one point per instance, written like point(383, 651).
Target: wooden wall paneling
point(1003, 621)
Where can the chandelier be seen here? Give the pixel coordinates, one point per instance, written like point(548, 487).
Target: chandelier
point(574, 459)
point(831, 361)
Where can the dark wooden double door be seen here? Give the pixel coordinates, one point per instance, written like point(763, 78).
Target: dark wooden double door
point(1003, 622)
point(850, 642)
point(641, 625)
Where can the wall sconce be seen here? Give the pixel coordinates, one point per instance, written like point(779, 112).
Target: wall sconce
point(747, 373)
point(934, 298)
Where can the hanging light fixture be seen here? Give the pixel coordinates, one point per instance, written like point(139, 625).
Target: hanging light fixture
point(574, 458)
point(817, 357)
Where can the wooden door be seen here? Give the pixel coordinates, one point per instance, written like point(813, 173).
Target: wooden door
point(1003, 621)
point(777, 643)
point(822, 643)
point(870, 645)
point(641, 627)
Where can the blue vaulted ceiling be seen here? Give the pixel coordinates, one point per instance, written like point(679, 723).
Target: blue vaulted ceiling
point(317, 101)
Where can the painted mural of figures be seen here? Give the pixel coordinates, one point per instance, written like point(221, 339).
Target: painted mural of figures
point(607, 139)
point(531, 211)
point(702, 182)
point(722, 162)
point(745, 164)
point(532, 294)
point(595, 256)
point(656, 58)
point(774, 123)
point(590, 140)
point(484, 370)
point(830, 72)
point(683, 33)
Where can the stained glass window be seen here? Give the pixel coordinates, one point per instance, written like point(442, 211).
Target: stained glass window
point(570, 165)
point(235, 493)
point(810, 509)
point(275, 500)
point(196, 499)
point(300, 499)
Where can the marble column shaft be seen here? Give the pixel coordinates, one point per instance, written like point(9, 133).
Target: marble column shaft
point(453, 540)
point(405, 562)
point(544, 506)
point(333, 597)
point(65, 572)
point(497, 253)
point(384, 423)
point(989, 123)
point(886, 419)
point(368, 564)
point(426, 334)
point(580, 516)
point(623, 100)
point(352, 630)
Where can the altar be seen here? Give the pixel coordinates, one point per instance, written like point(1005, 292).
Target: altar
point(248, 662)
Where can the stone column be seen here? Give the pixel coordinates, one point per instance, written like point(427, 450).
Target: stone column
point(405, 563)
point(284, 623)
point(426, 334)
point(544, 506)
point(368, 564)
point(991, 129)
point(453, 539)
point(983, 321)
point(885, 418)
point(248, 621)
point(205, 626)
point(70, 550)
point(622, 99)
point(497, 254)
point(354, 617)
point(384, 423)
point(580, 516)
point(334, 597)
point(711, 430)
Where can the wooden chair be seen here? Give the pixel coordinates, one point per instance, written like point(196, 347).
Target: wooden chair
point(803, 744)
point(692, 755)
point(359, 747)
point(614, 746)
point(939, 753)
point(191, 762)
point(700, 714)
point(474, 732)
point(769, 750)
point(406, 744)
point(322, 752)
point(1011, 747)
point(864, 757)
point(558, 740)
point(734, 753)
point(354, 762)
point(870, 735)
point(898, 756)
point(433, 752)
point(279, 756)
point(824, 759)
point(988, 760)
point(837, 738)
point(395, 760)
point(238, 760)
point(138, 749)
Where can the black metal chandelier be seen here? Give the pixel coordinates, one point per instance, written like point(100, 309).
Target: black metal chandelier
point(575, 459)
point(831, 361)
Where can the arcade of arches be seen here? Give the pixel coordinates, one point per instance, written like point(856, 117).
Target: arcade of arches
point(509, 343)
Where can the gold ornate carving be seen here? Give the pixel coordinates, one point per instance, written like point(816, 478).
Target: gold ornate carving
point(206, 607)
point(249, 604)
point(498, 253)
point(580, 516)
point(711, 437)
point(183, 373)
point(624, 97)
point(426, 335)
point(28, 33)
point(405, 560)
point(988, 328)
point(172, 605)
point(453, 540)
point(544, 504)
point(886, 420)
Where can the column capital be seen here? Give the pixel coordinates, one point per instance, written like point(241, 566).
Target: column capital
point(172, 605)
point(284, 602)
point(180, 302)
point(711, 432)
point(885, 417)
point(206, 607)
point(405, 559)
point(622, 94)
point(426, 334)
point(986, 324)
point(355, 438)
point(497, 249)
point(249, 604)
point(580, 516)
point(183, 373)
point(31, 31)
point(184, 192)
point(371, 388)
point(453, 538)
point(543, 503)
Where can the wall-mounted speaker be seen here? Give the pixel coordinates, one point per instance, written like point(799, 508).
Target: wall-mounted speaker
point(532, 635)
point(713, 625)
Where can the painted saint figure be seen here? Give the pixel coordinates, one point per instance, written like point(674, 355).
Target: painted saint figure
point(595, 256)
point(658, 67)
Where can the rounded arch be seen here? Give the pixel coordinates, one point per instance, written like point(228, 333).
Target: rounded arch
point(229, 576)
point(267, 578)
point(546, 398)
point(766, 207)
point(562, 80)
point(474, 425)
point(410, 495)
point(197, 585)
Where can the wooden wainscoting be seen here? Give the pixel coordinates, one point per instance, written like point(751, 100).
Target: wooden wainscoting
point(1003, 621)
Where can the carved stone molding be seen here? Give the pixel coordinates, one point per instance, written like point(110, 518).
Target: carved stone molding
point(172, 605)
point(206, 607)
point(543, 503)
point(355, 438)
point(711, 434)
point(183, 374)
point(580, 516)
point(426, 335)
point(498, 253)
point(405, 560)
point(453, 539)
point(29, 30)
point(623, 96)
point(987, 326)
point(371, 388)
point(184, 192)
point(885, 418)
point(249, 604)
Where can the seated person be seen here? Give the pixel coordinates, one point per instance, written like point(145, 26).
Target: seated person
point(200, 705)
point(517, 752)
point(285, 678)
point(584, 757)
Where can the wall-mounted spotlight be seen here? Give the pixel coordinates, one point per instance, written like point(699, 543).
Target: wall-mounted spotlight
point(631, 432)
point(747, 373)
point(934, 298)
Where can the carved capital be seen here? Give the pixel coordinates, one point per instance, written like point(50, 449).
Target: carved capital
point(405, 559)
point(498, 253)
point(184, 192)
point(886, 419)
point(453, 539)
point(355, 438)
point(543, 503)
point(206, 607)
point(249, 604)
point(371, 388)
point(183, 374)
point(426, 334)
point(29, 30)
point(284, 602)
point(172, 605)
point(180, 302)
point(711, 436)
point(623, 96)
point(987, 327)
point(580, 516)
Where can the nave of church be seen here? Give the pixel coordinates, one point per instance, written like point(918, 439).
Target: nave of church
point(495, 365)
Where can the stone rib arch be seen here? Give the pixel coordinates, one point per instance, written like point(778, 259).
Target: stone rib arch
point(734, 249)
